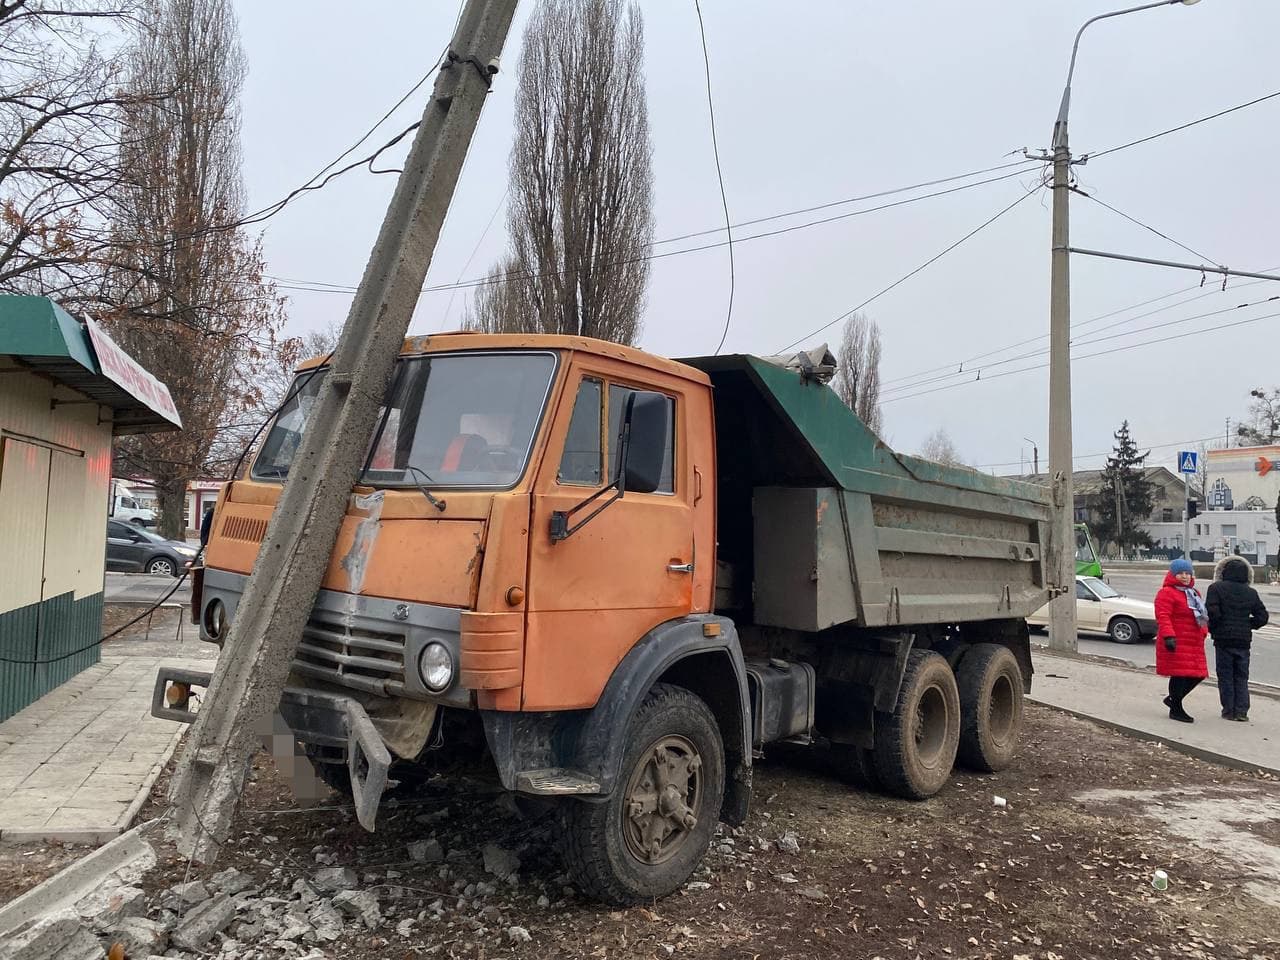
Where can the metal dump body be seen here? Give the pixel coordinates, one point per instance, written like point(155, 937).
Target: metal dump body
point(834, 527)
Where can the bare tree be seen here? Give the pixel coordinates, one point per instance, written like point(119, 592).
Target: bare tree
point(580, 217)
point(186, 294)
point(60, 98)
point(940, 448)
point(496, 306)
point(857, 379)
point(1263, 426)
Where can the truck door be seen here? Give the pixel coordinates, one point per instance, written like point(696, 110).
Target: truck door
point(593, 595)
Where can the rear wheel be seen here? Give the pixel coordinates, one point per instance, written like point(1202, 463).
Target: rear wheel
point(1124, 630)
point(990, 684)
point(916, 744)
point(646, 838)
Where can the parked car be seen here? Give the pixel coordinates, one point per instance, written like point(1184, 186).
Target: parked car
point(133, 549)
point(1102, 609)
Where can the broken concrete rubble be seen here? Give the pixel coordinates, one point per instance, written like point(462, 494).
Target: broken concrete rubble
point(204, 920)
point(59, 937)
point(362, 904)
point(138, 936)
point(335, 879)
point(502, 863)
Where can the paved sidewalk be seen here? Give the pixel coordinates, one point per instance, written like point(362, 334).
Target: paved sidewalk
point(77, 764)
point(1130, 700)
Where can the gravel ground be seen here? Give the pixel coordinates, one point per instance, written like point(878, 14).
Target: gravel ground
point(457, 869)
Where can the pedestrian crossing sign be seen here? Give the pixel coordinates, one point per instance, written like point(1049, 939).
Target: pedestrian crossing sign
point(1187, 461)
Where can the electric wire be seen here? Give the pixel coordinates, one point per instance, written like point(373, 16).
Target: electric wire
point(724, 200)
point(1146, 226)
point(1182, 126)
point(907, 276)
point(1086, 356)
point(308, 286)
point(1108, 453)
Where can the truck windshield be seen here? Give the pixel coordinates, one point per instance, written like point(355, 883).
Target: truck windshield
point(454, 420)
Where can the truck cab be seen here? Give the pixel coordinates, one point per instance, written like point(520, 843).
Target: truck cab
point(632, 574)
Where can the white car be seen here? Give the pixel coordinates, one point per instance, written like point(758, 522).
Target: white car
point(1100, 609)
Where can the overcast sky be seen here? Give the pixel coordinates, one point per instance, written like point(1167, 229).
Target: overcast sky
point(821, 101)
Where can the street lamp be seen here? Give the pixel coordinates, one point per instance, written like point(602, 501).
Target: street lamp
point(1061, 560)
point(1035, 455)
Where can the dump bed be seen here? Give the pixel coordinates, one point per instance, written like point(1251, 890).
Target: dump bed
point(820, 523)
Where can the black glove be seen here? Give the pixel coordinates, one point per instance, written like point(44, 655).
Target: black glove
point(1171, 644)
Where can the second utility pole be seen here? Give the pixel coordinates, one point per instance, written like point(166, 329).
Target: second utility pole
point(254, 666)
point(1062, 542)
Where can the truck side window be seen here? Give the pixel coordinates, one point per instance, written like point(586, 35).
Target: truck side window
point(580, 463)
point(617, 404)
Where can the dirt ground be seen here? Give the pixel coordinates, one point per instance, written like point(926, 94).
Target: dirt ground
point(1063, 872)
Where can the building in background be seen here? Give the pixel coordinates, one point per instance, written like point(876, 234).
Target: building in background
point(1090, 489)
point(201, 495)
point(65, 390)
point(1242, 487)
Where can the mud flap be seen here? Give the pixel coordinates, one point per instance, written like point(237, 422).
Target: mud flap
point(327, 719)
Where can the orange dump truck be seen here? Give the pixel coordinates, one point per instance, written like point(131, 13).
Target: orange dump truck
point(624, 576)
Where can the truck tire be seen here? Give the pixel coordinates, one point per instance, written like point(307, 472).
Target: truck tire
point(637, 844)
point(916, 744)
point(855, 765)
point(990, 683)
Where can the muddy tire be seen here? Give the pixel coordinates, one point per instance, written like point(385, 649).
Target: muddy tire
point(854, 765)
point(916, 744)
point(639, 843)
point(990, 683)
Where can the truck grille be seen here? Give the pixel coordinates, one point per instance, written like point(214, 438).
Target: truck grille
point(352, 657)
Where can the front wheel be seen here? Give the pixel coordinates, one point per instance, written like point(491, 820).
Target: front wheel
point(1124, 630)
point(644, 840)
point(162, 567)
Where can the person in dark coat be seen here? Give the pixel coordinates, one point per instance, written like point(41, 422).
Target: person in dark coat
point(1235, 611)
point(1182, 624)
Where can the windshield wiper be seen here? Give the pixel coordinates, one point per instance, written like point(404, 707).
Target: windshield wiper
point(432, 499)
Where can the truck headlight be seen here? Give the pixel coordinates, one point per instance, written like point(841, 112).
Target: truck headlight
point(435, 666)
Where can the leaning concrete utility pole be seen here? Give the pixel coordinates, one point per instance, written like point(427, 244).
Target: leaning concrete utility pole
point(245, 690)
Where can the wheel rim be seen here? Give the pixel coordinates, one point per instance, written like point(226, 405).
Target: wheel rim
point(663, 800)
point(162, 567)
point(1000, 711)
point(1122, 631)
point(931, 726)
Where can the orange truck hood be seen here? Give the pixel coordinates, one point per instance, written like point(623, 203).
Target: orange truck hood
point(392, 543)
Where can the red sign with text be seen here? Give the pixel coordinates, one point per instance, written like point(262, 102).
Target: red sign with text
point(120, 368)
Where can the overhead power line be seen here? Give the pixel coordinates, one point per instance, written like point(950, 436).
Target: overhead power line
point(1108, 453)
point(907, 276)
point(324, 287)
point(715, 150)
point(1087, 356)
point(1180, 127)
point(1145, 226)
point(1093, 339)
point(958, 368)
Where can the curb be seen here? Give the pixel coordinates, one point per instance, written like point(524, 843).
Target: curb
point(1200, 753)
point(1119, 663)
point(77, 880)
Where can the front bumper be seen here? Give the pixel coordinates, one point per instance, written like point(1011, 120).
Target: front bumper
point(324, 719)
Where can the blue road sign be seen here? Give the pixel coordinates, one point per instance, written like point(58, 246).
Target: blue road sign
point(1187, 461)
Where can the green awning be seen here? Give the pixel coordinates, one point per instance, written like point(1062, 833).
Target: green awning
point(41, 336)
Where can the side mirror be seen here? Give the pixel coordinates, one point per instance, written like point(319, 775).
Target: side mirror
point(644, 441)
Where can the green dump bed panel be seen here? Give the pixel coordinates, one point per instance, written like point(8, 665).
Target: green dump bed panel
point(835, 527)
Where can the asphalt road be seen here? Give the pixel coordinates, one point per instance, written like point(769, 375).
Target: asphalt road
point(1264, 665)
point(141, 588)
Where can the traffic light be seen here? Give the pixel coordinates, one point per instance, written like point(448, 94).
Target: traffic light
point(1193, 508)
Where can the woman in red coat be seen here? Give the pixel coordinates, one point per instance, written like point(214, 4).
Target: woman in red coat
point(1182, 624)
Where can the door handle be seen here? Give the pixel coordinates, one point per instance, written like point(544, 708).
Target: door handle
point(680, 567)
